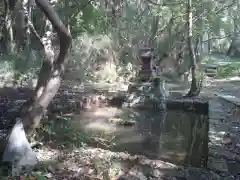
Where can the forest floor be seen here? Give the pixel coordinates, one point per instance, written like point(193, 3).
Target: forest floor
point(224, 126)
point(223, 158)
point(58, 162)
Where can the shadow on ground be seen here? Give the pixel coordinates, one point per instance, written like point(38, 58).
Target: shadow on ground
point(224, 128)
point(58, 135)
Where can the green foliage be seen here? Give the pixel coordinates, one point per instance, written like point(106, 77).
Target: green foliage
point(16, 69)
point(228, 71)
point(60, 129)
point(208, 60)
point(232, 68)
point(90, 52)
point(135, 22)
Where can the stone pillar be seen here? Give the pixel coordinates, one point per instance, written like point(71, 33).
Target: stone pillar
point(146, 57)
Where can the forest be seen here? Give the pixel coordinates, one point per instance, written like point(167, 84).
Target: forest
point(113, 89)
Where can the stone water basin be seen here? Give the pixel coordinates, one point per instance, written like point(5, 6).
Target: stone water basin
point(173, 136)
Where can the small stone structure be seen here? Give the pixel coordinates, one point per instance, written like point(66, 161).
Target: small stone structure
point(149, 91)
point(146, 57)
point(148, 87)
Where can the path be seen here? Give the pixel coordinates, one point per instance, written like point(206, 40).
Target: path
point(224, 126)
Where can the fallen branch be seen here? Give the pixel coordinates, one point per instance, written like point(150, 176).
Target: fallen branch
point(163, 4)
point(215, 38)
point(101, 141)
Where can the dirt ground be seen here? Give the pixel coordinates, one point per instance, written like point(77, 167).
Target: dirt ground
point(95, 163)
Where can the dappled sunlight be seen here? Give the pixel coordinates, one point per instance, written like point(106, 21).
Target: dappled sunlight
point(145, 137)
point(216, 137)
point(99, 126)
point(151, 136)
point(229, 98)
point(85, 163)
point(230, 79)
point(129, 137)
point(223, 140)
point(48, 154)
point(106, 113)
point(97, 121)
point(174, 156)
point(95, 55)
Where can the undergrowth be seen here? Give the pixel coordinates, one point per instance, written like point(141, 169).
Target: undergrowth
point(60, 129)
point(17, 70)
point(93, 59)
point(229, 70)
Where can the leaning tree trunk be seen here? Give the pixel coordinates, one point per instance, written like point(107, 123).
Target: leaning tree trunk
point(194, 89)
point(51, 72)
point(18, 150)
point(46, 42)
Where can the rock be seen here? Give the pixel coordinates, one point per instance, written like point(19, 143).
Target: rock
point(237, 158)
point(18, 151)
point(227, 138)
point(229, 178)
point(217, 164)
point(237, 148)
point(157, 173)
point(32, 83)
point(49, 176)
point(233, 167)
point(82, 171)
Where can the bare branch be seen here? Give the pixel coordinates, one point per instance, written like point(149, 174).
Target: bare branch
point(215, 38)
point(62, 31)
point(35, 32)
point(80, 8)
point(167, 25)
point(51, 72)
point(225, 7)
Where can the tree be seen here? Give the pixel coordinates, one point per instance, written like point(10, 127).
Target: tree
point(8, 9)
point(18, 149)
point(194, 90)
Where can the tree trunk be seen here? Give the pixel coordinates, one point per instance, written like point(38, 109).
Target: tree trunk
point(19, 26)
point(194, 89)
point(28, 32)
point(232, 50)
point(9, 27)
point(46, 65)
point(199, 37)
point(51, 71)
point(18, 150)
point(154, 29)
point(209, 42)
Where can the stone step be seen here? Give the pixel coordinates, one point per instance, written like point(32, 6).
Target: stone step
point(230, 98)
point(210, 70)
point(211, 74)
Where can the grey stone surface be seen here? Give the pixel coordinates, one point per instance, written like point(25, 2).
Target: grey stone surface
point(18, 151)
point(222, 139)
